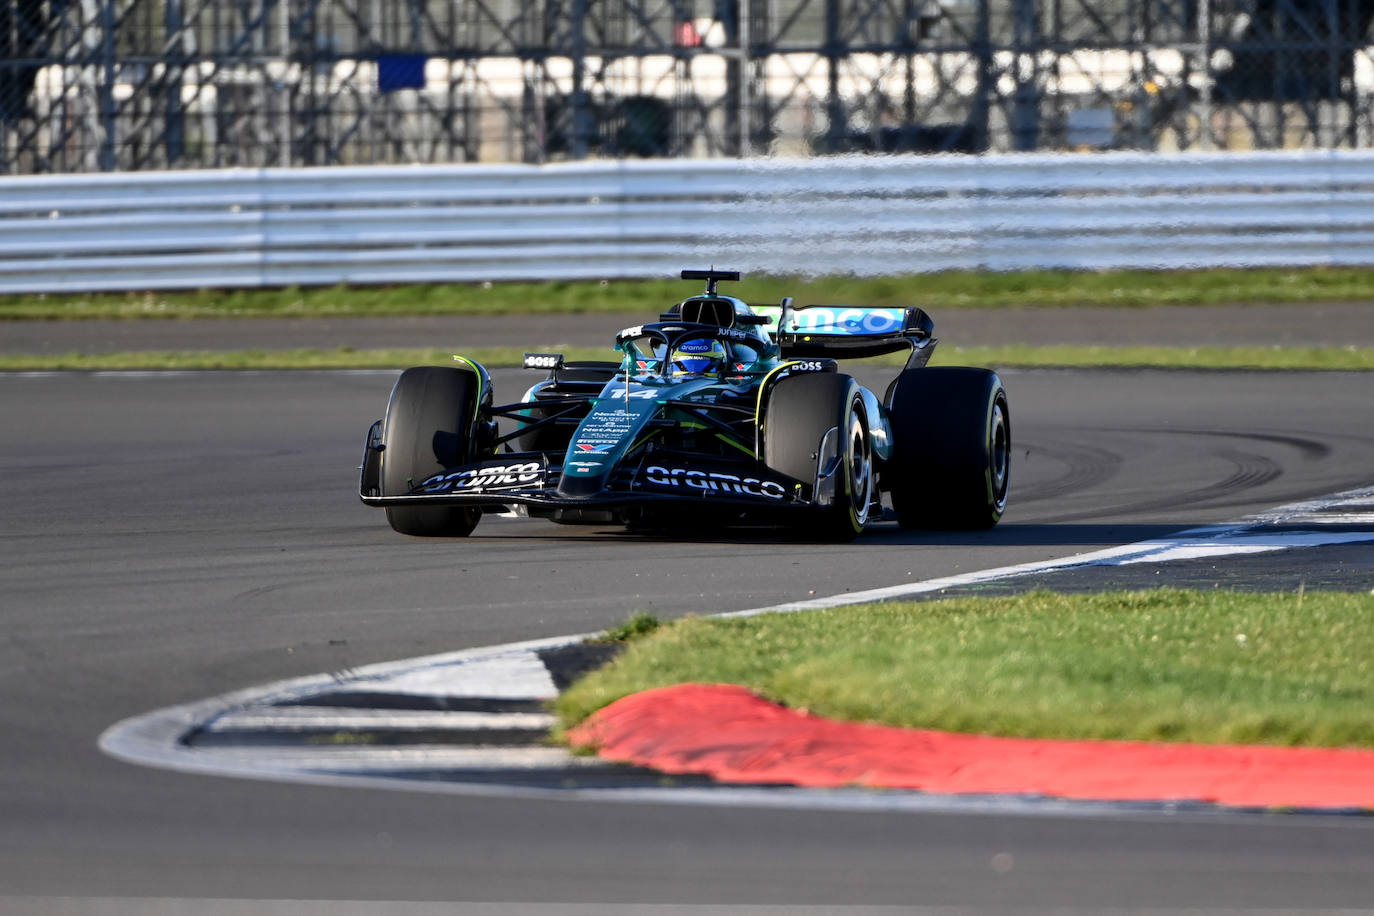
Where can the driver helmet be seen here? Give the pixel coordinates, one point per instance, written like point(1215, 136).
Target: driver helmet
point(702, 356)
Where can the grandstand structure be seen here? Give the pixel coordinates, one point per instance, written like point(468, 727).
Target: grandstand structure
point(109, 85)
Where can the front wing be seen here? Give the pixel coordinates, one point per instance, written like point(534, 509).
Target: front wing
point(531, 479)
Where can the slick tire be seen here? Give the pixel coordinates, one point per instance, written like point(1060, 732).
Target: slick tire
point(802, 410)
point(427, 428)
point(951, 462)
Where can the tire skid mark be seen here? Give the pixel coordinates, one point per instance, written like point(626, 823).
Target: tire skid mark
point(1087, 466)
point(1309, 449)
point(1250, 470)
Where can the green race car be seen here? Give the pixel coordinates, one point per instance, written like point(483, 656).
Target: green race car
point(720, 413)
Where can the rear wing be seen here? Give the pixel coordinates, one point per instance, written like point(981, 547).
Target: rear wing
point(849, 331)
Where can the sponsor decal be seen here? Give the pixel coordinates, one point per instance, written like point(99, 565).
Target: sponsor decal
point(543, 360)
point(605, 429)
point(811, 365)
point(822, 320)
point(645, 394)
point(632, 332)
point(494, 477)
point(713, 482)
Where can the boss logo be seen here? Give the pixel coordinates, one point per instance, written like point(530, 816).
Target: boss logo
point(543, 360)
point(811, 365)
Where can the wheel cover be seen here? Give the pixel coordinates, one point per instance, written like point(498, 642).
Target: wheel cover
point(999, 452)
point(860, 460)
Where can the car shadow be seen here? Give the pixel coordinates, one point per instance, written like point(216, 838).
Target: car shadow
point(1028, 534)
point(879, 535)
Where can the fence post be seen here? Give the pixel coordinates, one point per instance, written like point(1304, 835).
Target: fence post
point(1204, 40)
point(834, 104)
point(987, 83)
point(174, 137)
point(581, 113)
point(1026, 57)
point(109, 113)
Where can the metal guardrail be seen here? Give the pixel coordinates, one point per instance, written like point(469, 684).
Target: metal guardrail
point(621, 219)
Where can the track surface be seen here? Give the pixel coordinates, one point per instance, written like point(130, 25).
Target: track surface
point(168, 538)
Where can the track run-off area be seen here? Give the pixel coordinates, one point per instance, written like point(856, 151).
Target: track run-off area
point(171, 537)
point(474, 721)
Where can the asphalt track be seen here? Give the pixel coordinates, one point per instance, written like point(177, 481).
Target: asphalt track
point(173, 537)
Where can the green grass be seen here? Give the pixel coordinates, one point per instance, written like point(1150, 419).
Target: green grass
point(637, 627)
point(333, 301)
point(1078, 356)
point(1171, 665)
point(953, 289)
point(1349, 358)
point(339, 358)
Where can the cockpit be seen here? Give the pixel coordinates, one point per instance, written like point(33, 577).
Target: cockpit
point(684, 352)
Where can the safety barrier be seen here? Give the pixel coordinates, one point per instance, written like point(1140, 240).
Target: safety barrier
point(864, 215)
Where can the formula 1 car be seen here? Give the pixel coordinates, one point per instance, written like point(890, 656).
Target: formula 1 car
point(720, 412)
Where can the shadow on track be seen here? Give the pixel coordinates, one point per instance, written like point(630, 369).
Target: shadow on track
point(883, 534)
point(1025, 535)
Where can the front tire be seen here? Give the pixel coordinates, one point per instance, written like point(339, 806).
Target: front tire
point(802, 412)
point(428, 428)
point(951, 463)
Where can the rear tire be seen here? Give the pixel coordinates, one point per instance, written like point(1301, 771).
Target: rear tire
point(951, 462)
point(427, 429)
point(802, 409)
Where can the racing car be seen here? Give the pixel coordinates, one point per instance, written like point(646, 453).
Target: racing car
point(720, 412)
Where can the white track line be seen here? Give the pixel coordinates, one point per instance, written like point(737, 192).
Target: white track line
point(1195, 543)
point(311, 718)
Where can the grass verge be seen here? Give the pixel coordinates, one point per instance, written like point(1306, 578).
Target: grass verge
point(1311, 358)
point(1074, 356)
point(338, 358)
point(1170, 665)
point(953, 289)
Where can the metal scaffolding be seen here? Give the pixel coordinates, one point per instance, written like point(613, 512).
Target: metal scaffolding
point(106, 85)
